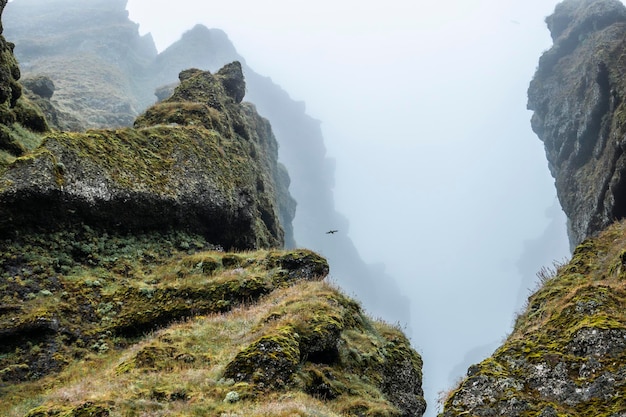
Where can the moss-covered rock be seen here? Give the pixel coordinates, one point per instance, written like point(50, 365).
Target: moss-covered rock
point(268, 362)
point(16, 111)
point(213, 179)
point(263, 358)
point(65, 294)
point(567, 353)
point(116, 297)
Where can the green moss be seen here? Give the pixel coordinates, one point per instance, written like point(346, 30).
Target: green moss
point(183, 114)
point(105, 288)
point(29, 115)
point(255, 351)
point(268, 362)
point(303, 263)
point(571, 331)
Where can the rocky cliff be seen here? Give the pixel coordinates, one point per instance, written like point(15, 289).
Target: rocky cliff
point(16, 111)
point(99, 40)
point(566, 355)
point(118, 299)
point(199, 162)
point(577, 96)
point(104, 77)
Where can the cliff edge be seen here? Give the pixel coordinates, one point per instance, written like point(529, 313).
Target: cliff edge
point(201, 163)
point(577, 96)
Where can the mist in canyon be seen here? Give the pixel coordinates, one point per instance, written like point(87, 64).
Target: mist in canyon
point(442, 186)
point(423, 108)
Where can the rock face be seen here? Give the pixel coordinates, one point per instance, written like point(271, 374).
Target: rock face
point(45, 33)
point(99, 57)
point(577, 96)
point(16, 112)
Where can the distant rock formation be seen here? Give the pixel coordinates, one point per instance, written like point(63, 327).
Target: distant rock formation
point(71, 41)
point(577, 96)
point(91, 51)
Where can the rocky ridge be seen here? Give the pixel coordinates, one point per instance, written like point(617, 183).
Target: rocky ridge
point(192, 164)
point(117, 298)
point(85, 98)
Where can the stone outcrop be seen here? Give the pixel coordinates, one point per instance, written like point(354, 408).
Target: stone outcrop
point(16, 111)
point(117, 298)
point(577, 96)
point(200, 162)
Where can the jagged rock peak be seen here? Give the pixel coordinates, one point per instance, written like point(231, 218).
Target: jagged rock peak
point(230, 79)
point(579, 16)
point(577, 95)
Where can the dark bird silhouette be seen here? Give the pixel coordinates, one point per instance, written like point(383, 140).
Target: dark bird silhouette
point(331, 232)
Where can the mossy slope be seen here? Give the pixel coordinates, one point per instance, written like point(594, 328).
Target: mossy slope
point(567, 353)
point(117, 298)
point(302, 349)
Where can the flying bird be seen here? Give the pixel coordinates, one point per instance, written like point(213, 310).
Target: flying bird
point(331, 232)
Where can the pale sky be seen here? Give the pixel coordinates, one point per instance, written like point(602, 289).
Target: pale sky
point(423, 105)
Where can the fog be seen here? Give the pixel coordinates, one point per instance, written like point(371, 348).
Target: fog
point(423, 106)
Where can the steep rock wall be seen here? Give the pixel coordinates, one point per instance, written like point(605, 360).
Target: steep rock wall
point(18, 116)
point(116, 300)
point(577, 96)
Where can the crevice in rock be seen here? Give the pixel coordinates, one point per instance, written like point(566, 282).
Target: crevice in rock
point(594, 130)
point(327, 357)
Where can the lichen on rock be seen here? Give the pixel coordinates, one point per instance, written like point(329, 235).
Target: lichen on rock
point(567, 352)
